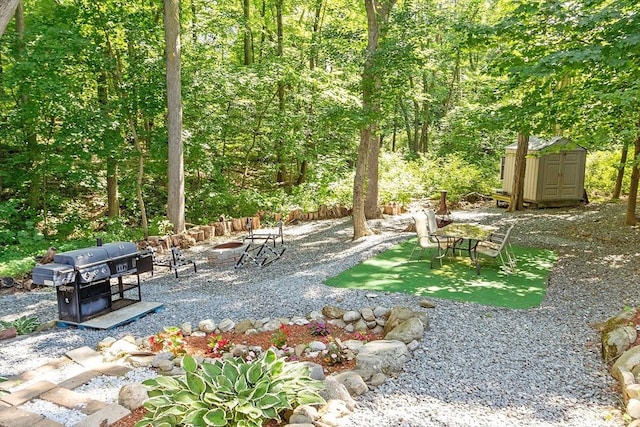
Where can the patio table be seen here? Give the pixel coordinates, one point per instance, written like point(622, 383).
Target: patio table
point(465, 237)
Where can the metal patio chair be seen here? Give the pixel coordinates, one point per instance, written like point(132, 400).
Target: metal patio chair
point(426, 237)
point(499, 246)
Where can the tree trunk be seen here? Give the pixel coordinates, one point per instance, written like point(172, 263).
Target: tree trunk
point(630, 217)
point(619, 178)
point(371, 204)
point(139, 178)
point(281, 173)
point(7, 11)
point(175, 196)
point(517, 193)
point(113, 205)
point(377, 17)
point(248, 51)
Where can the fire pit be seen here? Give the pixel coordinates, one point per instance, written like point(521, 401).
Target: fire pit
point(226, 254)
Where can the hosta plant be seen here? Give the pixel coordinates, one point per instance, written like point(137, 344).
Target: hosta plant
point(229, 392)
point(24, 325)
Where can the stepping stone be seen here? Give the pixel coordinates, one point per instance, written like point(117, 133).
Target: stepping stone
point(16, 417)
point(19, 379)
point(53, 365)
point(79, 379)
point(27, 393)
point(112, 369)
point(72, 400)
point(85, 356)
point(105, 416)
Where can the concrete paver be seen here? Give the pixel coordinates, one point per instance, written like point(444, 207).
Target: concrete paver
point(72, 400)
point(105, 416)
point(78, 380)
point(25, 394)
point(85, 356)
point(16, 417)
point(19, 379)
point(99, 414)
point(112, 369)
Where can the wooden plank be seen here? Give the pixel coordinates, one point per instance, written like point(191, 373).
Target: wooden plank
point(119, 317)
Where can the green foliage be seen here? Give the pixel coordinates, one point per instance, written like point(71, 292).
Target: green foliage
point(24, 325)
point(229, 392)
point(601, 172)
point(454, 174)
point(399, 180)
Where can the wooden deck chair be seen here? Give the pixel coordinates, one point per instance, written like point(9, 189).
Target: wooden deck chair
point(426, 240)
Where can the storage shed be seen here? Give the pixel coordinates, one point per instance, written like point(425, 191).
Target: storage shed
point(554, 174)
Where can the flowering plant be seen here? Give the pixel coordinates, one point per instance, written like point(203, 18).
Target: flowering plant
point(365, 337)
point(219, 345)
point(319, 328)
point(334, 354)
point(169, 340)
point(279, 338)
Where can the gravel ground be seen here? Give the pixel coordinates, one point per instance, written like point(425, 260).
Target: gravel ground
point(477, 366)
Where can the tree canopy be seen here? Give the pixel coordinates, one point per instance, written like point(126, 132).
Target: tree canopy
point(272, 99)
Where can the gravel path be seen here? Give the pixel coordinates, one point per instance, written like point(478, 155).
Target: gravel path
point(477, 366)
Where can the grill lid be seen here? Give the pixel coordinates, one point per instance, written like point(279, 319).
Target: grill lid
point(120, 249)
point(82, 258)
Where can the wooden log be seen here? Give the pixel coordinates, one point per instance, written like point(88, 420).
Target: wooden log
point(256, 222)
point(236, 224)
point(209, 231)
point(196, 234)
point(323, 212)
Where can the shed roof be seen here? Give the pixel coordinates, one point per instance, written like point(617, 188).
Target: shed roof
point(539, 144)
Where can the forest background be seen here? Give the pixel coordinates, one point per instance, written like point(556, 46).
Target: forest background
point(272, 104)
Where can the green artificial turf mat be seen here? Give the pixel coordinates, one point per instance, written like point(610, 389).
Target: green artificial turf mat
point(392, 271)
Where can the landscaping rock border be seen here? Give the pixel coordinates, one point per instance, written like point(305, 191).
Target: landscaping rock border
point(375, 361)
point(618, 335)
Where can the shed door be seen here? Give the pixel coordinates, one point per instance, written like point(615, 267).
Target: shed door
point(551, 179)
point(562, 176)
point(571, 185)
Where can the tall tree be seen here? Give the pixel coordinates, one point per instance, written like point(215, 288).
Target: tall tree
point(7, 10)
point(519, 169)
point(175, 195)
point(366, 176)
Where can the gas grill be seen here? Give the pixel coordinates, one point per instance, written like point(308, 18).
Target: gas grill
point(83, 279)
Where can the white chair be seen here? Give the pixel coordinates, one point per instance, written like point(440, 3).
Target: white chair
point(426, 238)
point(499, 246)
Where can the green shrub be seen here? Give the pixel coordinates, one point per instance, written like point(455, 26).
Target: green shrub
point(229, 392)
point(456, 175)
point(601, 171)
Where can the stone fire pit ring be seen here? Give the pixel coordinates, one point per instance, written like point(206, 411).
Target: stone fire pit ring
point(226, 254)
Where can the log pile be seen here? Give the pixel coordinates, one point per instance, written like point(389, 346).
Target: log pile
point(227, 227)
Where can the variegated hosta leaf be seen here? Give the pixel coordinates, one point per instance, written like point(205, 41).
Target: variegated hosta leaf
point(230, 371)
point(254, 373)
point(211, 370)
point(189, 364)
point(157, 402)
point(306, 397)
point(196, 383)
point(216, 417)
point(195, 417)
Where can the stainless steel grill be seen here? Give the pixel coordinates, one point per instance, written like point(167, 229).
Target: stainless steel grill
point(83, 279)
